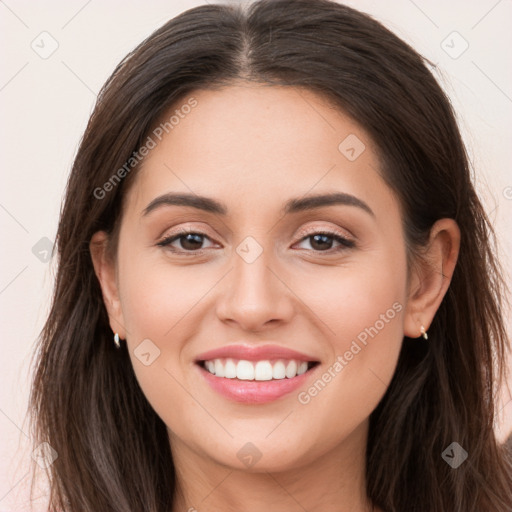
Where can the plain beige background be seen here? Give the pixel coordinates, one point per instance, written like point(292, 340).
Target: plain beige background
point(55, 56)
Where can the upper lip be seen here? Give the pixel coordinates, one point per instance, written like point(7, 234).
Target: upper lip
point(254, 353)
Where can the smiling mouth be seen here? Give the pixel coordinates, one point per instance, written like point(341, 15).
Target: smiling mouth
point(264, 370)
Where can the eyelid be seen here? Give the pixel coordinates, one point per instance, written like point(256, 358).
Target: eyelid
point(330, 230)
point(347, 241)
point(303, 232)
point(165, 240)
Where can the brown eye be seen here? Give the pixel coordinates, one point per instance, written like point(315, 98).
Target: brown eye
point(323, 242)
point(189, 241)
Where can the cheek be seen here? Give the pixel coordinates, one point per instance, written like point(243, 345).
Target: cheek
point(360, 300)
point(159, 302)
point(369, 308)
point(157, 295)
point(363, 312)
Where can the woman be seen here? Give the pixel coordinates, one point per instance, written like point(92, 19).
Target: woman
point(277, 288)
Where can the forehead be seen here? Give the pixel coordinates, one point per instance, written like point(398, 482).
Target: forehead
point(257, 141)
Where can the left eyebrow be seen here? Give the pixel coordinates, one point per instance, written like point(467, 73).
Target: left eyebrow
point(318, 201)
point(295, 205)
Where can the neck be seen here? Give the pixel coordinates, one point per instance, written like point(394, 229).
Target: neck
point(332, 482)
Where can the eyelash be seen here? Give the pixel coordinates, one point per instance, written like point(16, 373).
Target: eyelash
point(345, 243)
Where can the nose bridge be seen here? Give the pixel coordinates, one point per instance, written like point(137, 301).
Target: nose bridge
point(254, 294)
point(252, 277)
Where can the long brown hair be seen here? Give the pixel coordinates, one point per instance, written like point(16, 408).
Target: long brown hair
point(113, 450)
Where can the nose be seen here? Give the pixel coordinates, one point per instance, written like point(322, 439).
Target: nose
point(254, 296)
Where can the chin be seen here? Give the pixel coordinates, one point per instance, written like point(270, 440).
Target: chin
point(261, 455)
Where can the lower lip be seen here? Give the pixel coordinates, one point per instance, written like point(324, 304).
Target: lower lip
point(252, 391)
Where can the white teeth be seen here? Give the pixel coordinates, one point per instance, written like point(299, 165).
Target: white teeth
point(245, 370)
point(302, 368)
point(291, 369)
point(279, 370)
point(263, 370)
point(219, 368)
point(260, 370)
point(230, 369)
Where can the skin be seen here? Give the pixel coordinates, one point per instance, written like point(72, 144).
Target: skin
point(253, 147)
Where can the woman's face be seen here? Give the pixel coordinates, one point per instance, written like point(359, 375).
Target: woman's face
point(255, 276)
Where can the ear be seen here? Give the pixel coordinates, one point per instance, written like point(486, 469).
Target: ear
point(105, 271)
point(431, 277)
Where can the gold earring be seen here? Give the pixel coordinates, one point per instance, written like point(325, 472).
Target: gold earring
point(423, 332)
point(116, 340)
